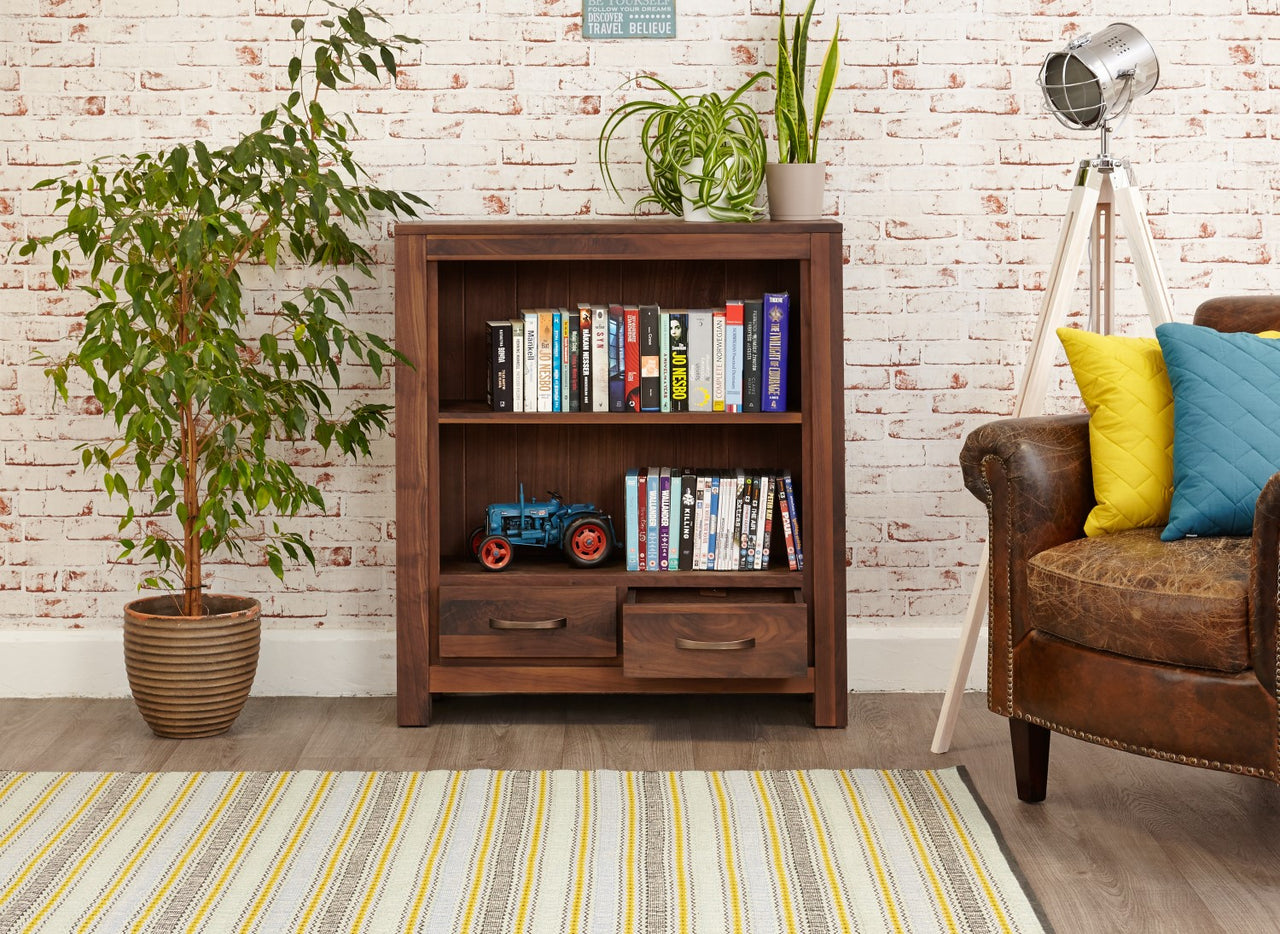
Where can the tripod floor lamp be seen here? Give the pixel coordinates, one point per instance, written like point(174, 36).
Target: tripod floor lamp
point(1089, 85)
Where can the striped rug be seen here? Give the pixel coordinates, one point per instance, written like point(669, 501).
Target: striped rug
point(493, 852)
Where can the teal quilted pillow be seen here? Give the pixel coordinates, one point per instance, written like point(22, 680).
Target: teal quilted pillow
point(1226, 427)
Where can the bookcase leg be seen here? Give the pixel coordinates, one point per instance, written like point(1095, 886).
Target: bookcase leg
point(413, 709)
point(830, 709)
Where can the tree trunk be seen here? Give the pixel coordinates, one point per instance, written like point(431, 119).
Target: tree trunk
point(191, 586)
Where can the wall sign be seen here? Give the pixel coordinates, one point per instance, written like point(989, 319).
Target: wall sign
point(628, 19)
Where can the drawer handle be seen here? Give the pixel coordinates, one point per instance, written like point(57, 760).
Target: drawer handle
point(696, 645)
point(528, 623)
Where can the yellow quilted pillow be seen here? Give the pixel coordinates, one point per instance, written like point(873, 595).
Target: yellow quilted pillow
point(1125, 387)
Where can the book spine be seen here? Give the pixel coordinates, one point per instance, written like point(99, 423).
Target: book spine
point(753, 524)
point(585, 387)
point(726, 547)
point(617, 360)
point(664, 520)
point(703, 523)
point(713, 523)
point(785, 514)
point(631, 349)
point(642, 517)
point(701, 365)
point(679, 345)
point(664, 361)
point(654, 518)
point(530, 361)
point(566, 324)
point(673, 519)
point(650, 364)
point(599, 358)
point(498, 390)
point(774, 388)
point(632, 510)
point(733, 356)
point(557, 352)
point(795, 520)
point(717, 360)
point(752, 334)
point(545, 381)
point(766, 535)
point(688, 508)
point(744, 521)
point(517, 364)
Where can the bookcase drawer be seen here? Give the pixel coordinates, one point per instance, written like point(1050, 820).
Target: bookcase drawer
point(478, 621)
point(731, 633)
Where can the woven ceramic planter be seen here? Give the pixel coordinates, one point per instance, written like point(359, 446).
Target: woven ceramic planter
point(190, 676)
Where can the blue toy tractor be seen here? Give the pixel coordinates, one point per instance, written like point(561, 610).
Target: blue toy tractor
point(580, 530)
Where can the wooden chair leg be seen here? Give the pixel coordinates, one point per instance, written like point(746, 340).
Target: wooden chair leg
point(1030, 759)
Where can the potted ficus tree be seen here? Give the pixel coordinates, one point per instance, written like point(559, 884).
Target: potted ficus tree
point(205, 393)
point(796, 181)
point(704, 154)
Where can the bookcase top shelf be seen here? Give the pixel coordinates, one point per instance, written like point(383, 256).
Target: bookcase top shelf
point(577, 241)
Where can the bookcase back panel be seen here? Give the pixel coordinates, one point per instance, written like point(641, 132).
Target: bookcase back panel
point(483, 464)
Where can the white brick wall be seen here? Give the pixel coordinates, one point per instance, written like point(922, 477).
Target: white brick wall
point(947, 174)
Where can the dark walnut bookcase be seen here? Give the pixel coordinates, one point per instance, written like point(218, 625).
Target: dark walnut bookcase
point(541, 626)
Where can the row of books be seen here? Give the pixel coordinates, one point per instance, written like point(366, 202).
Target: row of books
point(679, 519)
point(641, 358)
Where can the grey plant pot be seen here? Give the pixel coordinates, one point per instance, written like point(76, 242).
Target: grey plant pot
point(795, 190)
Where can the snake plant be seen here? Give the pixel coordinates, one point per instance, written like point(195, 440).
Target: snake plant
point(797, 134)
point(723, 132)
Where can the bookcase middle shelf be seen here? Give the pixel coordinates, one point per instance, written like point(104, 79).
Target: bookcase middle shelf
point(462, 413)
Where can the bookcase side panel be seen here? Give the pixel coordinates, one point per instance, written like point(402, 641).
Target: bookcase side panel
point(415, 298)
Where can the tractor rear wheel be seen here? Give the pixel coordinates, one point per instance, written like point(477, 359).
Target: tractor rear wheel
point(495, 552)
point(587, 543)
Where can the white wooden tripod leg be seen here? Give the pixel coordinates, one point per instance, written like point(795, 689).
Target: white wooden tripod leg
point(964, 658)
point(1062, 278)
point(1062, 274)
point(1133, 216)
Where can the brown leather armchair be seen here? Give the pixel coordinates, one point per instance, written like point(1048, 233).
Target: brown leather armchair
point(1167, 649)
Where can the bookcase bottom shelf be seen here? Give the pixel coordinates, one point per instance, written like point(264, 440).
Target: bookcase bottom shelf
point(603, 679)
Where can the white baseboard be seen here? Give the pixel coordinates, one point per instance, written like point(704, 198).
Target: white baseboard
point(333, 663)
point(915, 658)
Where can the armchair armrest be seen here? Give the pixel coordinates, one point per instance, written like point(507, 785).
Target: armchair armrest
point(1035, 476)
point(1265, 596)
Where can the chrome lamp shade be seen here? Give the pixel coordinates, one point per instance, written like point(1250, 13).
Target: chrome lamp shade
point(1097, 77)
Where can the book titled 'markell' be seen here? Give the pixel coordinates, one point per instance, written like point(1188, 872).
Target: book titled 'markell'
point(773, 397)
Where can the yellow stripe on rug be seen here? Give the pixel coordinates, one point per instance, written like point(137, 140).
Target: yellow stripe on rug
point(632, 852)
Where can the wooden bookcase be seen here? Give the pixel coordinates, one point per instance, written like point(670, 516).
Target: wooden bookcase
point(615, 630)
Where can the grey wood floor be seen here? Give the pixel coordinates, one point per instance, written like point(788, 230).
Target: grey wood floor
point(1123, 843)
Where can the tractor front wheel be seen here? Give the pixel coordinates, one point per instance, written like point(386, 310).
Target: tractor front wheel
point(587, 543)
point(474, 539)
point(494, 552)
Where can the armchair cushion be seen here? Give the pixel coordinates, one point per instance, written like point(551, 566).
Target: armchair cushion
point(1124, 386)
point(1226, 394)
point(1177, 603)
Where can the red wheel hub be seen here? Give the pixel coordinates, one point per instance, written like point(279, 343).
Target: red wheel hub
point(588, 541)
point(495, 554)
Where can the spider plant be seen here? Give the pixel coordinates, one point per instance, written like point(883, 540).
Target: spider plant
point(797, 134)
point(678, 131)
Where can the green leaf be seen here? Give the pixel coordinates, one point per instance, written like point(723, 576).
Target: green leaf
point(388, 60)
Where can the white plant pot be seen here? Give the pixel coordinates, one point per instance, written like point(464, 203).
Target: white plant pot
point(795, 190)
point(693, 209)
